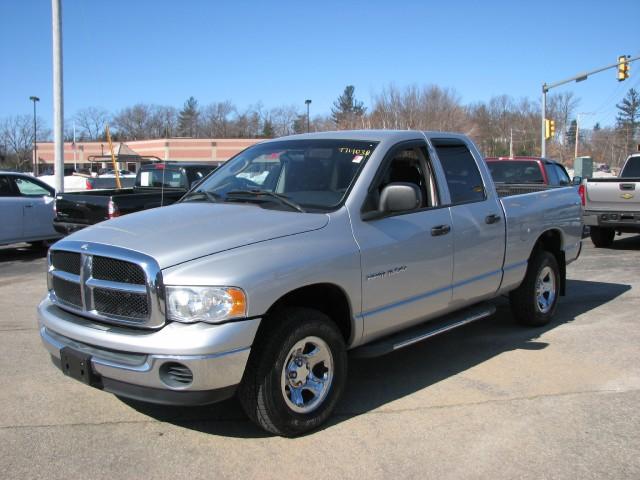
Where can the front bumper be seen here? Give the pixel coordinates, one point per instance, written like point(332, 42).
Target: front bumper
point(623, 221)
point(129, 362)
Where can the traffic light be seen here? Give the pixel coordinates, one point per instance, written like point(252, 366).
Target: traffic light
point(623, 68)
point(549, 128)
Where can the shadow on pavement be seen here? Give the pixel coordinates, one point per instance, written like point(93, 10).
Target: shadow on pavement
point(21, 253)
point(626, 243)
point(376, 382)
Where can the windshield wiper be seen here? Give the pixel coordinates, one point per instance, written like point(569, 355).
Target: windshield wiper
point(276, 196)
point(201, 195)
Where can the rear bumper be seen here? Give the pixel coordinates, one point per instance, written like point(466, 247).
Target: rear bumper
point(623, 221)
point(135, 364)
point(67, 228)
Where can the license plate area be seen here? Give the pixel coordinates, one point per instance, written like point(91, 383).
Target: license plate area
point(77, 365)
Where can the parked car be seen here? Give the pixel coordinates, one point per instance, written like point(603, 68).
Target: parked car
point(368, 241)
point(155, 185)
point(122, 174)
point(72, 183)
point(613, 204)
point(109, 182)
point(528, 172)
point(26, 209)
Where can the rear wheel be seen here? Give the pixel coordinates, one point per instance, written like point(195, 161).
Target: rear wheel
point(534, 301)
point(602, 237)
point(296, 372)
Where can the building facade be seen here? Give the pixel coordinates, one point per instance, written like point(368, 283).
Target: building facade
point(82, 154)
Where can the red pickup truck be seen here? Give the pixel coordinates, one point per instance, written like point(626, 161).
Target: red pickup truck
point(525, 170)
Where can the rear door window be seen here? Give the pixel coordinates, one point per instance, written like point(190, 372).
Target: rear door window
point(461, 171)
point(631, 169)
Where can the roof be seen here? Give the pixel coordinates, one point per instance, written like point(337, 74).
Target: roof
point(371, 135)
point(522, 159)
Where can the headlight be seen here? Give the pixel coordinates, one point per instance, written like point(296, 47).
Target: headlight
point(205, 304)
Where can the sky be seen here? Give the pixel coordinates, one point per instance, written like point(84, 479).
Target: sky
point(122, 52)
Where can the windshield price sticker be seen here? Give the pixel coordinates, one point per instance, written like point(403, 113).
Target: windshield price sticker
point(355, 151)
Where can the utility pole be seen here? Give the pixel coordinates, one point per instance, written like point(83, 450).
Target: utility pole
point(58, 114)
point(576, 78)
point(307, 103)
point(35, 99)
point(511, 143)
point(578, 131)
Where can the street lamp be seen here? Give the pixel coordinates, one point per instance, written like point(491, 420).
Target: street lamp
point(307, 103)
point(35, 154)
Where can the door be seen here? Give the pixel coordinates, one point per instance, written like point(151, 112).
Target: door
point(478, 225)
point(37, 203)
point(10, 211)
point(407, 257)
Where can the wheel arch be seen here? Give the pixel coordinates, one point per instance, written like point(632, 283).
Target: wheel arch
point(328, 298)
point(552, 241)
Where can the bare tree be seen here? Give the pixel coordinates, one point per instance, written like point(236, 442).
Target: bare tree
point(92, 122)
point(134, 123)
point(16, 136)
point(216, 119)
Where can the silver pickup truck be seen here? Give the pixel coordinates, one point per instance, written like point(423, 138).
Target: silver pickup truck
point(613, 204)
point(294, 252)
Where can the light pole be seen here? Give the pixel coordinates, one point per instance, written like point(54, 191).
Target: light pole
point(307, 103)
point(34, 99)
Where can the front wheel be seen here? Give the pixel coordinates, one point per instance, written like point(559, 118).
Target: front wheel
point(602, 237)
point(534, 301)
point(296, 372)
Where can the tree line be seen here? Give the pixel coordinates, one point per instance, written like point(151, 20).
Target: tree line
point(496, 125)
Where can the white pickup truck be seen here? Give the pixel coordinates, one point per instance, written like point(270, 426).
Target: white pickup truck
point(613, 204)
point(294, 252)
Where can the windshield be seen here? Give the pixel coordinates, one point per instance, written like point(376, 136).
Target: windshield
point(304, 175)
point(631, 169)
point(507, 171)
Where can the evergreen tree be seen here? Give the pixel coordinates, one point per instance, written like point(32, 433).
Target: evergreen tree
point(571, 133)
point(628, 118)
point(300, 124)
point(267, 129)
point(188, 119)
point(347, 111)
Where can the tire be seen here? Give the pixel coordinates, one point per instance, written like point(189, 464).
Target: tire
point(273, 392)
point(534, 302)
point(602, 237)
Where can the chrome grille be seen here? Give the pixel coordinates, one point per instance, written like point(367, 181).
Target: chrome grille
point(66, 261)
point(106, 283)
point(120, 304)
point(117, 271)
point(67, 292)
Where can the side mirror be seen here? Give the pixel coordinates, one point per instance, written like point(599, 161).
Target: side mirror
point(399, 197)
point(576, 181)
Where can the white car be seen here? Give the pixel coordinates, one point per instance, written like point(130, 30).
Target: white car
point(26, 209)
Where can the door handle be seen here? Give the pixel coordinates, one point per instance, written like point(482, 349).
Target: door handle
point(440, 230)
point(29, 205)
point(493, 218)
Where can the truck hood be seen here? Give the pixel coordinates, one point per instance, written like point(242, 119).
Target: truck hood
point(185, 231)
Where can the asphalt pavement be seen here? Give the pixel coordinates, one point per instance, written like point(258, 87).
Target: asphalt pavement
point(491, 400)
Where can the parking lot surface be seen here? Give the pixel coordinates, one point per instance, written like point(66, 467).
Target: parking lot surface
point(489, 400)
